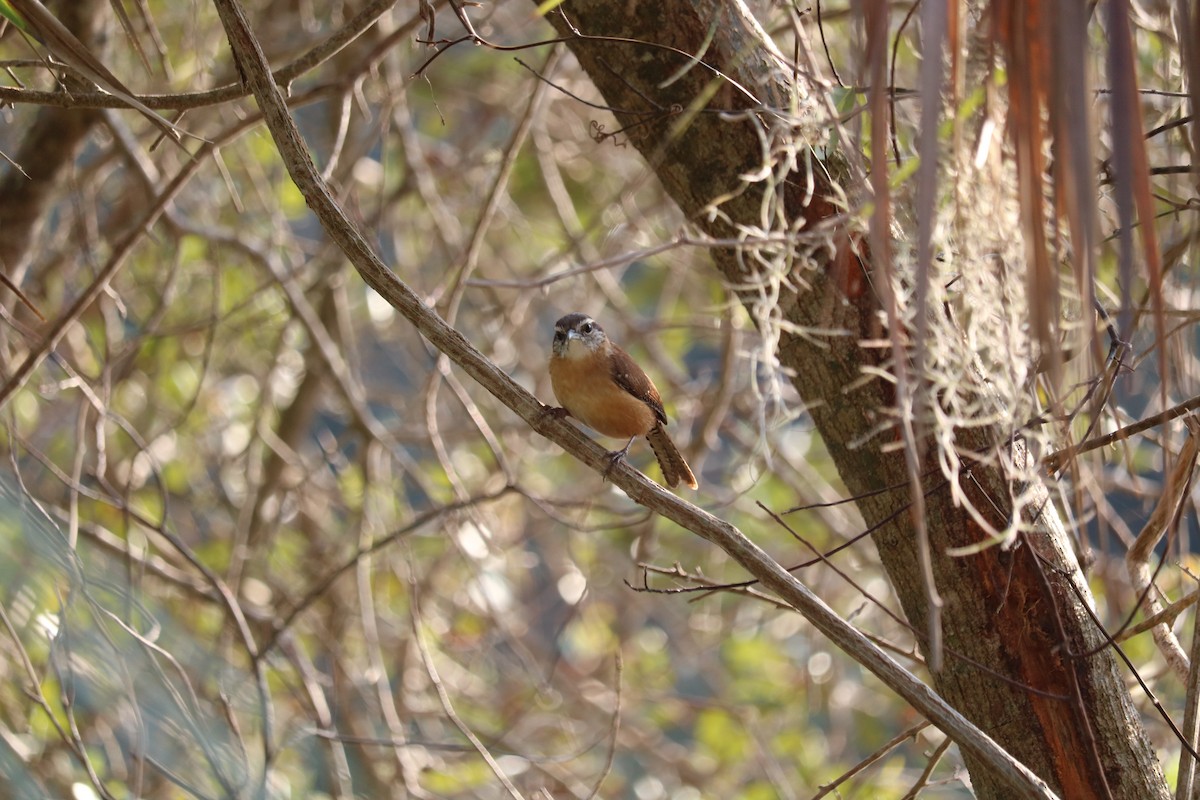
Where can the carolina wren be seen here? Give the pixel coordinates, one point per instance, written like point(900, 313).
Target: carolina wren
point(601, 386)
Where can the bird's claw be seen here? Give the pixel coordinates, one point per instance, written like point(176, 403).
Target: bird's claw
point(614, 457)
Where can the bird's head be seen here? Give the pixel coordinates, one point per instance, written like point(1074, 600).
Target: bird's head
point(578, 335)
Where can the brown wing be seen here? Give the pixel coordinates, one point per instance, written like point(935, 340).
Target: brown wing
point(630, 377)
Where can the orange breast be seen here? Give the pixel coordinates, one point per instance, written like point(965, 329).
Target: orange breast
point(584, 386)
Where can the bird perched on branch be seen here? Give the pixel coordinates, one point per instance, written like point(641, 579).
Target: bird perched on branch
point(601, 386)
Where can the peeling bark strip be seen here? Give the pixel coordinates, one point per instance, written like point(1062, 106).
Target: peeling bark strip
point(1019, 613)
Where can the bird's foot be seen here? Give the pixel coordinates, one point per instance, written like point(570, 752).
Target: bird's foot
point(554, 412)
point(616, 457)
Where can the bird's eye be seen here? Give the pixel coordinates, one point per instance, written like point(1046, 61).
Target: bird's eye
point(587, 328)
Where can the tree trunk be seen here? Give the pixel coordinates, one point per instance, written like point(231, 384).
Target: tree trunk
point(1018, 635)
point(47, 151)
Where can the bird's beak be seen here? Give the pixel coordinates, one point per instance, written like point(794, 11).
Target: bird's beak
point(574, 334)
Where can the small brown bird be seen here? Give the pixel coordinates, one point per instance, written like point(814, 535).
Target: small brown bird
point(601, 386)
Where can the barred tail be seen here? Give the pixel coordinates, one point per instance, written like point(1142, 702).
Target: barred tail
point(674, 468)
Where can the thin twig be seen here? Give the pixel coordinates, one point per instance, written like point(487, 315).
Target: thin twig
point(615, 727)
point(882, 752)
point(444, 696)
